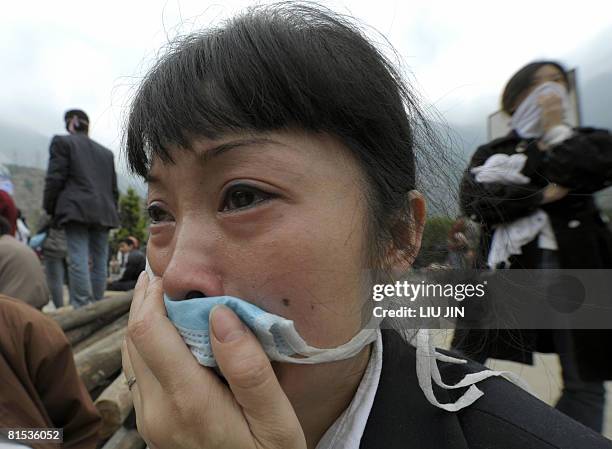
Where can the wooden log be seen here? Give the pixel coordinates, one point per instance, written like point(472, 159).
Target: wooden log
point(114, 405)
point(106, 309)
point(79, 334)
point(98, 362)
point(108, 329)
point(125, 439)
point(56, 312)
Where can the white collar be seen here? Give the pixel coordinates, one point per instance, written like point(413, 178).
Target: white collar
point(347, 430)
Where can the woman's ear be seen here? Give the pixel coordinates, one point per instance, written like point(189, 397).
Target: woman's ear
point(407, 233)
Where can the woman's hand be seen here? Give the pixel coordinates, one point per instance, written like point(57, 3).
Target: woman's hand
point(552, 111)
point(183, 405)
point(553, 192)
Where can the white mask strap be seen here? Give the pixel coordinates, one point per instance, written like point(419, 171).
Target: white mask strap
point(427, 369)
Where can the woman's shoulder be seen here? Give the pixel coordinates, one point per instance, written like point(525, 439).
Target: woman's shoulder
point(505, 417)
point(507, 413)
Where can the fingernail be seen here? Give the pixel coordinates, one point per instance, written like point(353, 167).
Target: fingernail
point(225, 324)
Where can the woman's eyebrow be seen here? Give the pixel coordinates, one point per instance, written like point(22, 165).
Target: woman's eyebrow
point(151, 179)
point(228, 146)
point(219, 150)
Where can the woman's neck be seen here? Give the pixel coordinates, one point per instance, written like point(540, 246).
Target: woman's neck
point(320, 393)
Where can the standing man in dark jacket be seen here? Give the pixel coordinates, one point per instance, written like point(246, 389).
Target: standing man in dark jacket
point(81, 195)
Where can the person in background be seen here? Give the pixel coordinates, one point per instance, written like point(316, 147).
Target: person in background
point(23, 232)
point(81, 195)
point(135, 241)
point(6, 184)
point(21, 275)
point(8, 211)
point(532, 192)
point(458, 245)
point(134, 265)
point(54, 253)
point(40, 386)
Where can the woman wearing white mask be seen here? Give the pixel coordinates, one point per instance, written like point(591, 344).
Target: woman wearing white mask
point(532, 191)
point(279, 153)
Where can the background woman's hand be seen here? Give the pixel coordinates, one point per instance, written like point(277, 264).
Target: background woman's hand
point(183, 405)
point(552, 111)
point(553, 192)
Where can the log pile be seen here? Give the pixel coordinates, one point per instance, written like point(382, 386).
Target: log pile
point(96, 333)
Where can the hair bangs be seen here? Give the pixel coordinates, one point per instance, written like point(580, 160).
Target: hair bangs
point(274, 67)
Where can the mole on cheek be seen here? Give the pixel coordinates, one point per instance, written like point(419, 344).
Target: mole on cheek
point(286, 302)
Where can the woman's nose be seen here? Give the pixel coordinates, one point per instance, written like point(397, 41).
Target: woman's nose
point(189, 275)
point(193, 270)
point(194, 294)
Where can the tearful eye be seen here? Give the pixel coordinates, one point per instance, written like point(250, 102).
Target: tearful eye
point(242, 197)
point(158, 214)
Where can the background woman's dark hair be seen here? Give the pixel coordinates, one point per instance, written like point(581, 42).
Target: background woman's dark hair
point(283, 66)
point(522, 80)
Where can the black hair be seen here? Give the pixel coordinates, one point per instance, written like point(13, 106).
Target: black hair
point(522, 80)
point(5, 227)
point(82, 122)
point(128, 241)
point(287, 66)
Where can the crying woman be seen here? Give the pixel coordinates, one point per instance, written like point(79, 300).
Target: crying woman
point(279, 151)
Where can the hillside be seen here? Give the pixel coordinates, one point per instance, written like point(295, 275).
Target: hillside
point(29, 184)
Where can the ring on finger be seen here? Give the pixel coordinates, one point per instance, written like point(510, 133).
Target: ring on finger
point(130, 382)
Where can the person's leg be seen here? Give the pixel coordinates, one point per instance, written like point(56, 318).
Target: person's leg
point(77, 239)
point(54, 270)
point(580, 400)
point(98, 249)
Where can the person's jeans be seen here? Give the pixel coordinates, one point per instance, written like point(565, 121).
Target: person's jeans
point(85, 243)
point(54, 270)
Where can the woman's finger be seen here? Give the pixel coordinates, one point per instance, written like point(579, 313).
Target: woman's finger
point(139, 293)
point(138, 368)
point(159, 345)
point(251, 378)
point(128, 372)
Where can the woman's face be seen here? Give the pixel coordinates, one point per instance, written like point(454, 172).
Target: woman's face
point(277, 219)
point(544, 74)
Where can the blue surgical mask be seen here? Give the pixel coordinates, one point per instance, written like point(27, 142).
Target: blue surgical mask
point(277, 335)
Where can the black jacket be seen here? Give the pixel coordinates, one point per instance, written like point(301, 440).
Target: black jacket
point(81, 183)
point(582, 163)
point(135, 265)
point(506, 417)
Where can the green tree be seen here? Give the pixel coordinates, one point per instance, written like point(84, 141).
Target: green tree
point(131, 215)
